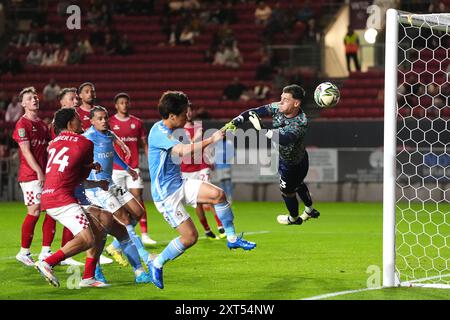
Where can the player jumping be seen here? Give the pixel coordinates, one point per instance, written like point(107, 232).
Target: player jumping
point(290, 120)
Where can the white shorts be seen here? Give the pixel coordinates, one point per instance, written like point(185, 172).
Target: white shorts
point(222, 174)
point(204, 175)
point(123, 179)
point(71, 216)
point(172, 207)
point(111, 200)
point(32, 191)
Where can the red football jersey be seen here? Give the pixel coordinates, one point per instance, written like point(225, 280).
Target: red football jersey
point(130, 131)
point(84, 117)
point(37, 134)
point(69, 156)
point(187, 164)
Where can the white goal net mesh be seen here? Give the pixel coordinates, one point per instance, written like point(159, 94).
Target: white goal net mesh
point(423, 149)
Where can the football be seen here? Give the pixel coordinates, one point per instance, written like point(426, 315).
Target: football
point(326, 95)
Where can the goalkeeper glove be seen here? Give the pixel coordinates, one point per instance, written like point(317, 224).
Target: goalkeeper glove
point(229, 126)
point(255, 120)
point(258, 124)
point(232, 125)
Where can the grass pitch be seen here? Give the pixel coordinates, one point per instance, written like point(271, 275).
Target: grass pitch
point(327, 255)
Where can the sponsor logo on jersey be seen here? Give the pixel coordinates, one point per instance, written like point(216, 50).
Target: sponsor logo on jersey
point(104, 155)
point(129, 139)
point(33, 128)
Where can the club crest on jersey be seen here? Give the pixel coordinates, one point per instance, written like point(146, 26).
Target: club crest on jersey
point(21, 132)
point(116, 127)
point(133, 126)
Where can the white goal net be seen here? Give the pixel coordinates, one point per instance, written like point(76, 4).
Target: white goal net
point(416, 248)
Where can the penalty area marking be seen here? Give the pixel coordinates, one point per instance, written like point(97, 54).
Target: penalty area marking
point(413, 283)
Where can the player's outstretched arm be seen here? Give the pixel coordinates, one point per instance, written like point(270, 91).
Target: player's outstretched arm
point(250, 115)
point(183, 150)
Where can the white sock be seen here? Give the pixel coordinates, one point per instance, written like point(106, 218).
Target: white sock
point(292, 219)
point(304, 216)
point(24, 251)
point(45, 249)
point(232, 239)
point(138, 271)
point(308, 209)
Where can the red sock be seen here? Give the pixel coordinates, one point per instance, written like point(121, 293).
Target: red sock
point(204, 223)
point(143, 221)
point(89, 268)
point(48, 231)
point(219, 223)
point(66, 236)
point(28, 230)
point(55, 258)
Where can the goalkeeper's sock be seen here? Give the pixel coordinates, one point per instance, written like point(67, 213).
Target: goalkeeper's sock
point(303, 193)
point(173, 250)
point(225, 215)
point(292, 206)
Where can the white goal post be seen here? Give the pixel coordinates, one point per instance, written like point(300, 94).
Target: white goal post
point(416, 177)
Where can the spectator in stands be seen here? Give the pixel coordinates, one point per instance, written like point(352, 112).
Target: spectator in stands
point(11, 65)
point(93, 16)
point(229, 14)
point(75, 54)
point(110, 45)
point(61, 8)
point(14, 110)
point(351, 42)
point(262, 13)
point(105, 15)
point(437, 6)
point(261, 91)
point(97, 38)
point(187, 36)
point(85, 45)
point(47, 36)
point(234, 91)
point(51, 90)
point(173, 35)
point(124, 47)
point(48, 57)
point(228, 55)
point(264, 70)
point(23, 39)
point(34, 57)
point(61, 55)
point(275, 24)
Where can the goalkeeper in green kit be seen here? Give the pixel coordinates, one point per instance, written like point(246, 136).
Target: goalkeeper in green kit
point(291, 122)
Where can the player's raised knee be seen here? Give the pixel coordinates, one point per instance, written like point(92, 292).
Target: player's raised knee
point(219, 196)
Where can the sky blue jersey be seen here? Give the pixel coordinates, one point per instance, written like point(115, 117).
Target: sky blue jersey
point(104, 154)
point(164, 173)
